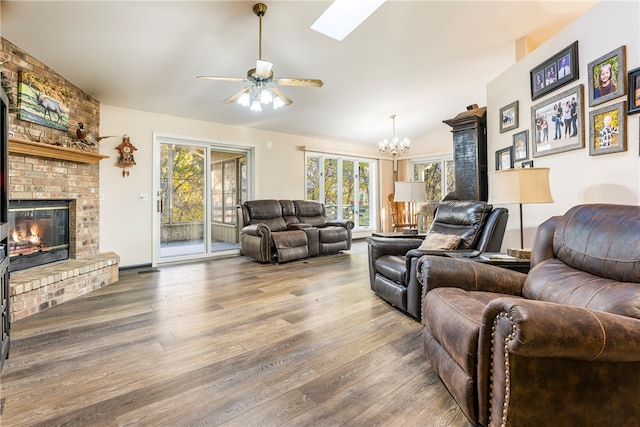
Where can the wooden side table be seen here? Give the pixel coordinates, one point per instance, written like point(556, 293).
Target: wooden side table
point(504, 261)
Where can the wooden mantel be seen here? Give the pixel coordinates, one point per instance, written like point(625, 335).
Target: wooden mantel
point(38, 149)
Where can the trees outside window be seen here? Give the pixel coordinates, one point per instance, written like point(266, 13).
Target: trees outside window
point(344, 185)
point(437, 175)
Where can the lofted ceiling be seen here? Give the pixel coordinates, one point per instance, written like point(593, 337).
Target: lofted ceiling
point(422, 60)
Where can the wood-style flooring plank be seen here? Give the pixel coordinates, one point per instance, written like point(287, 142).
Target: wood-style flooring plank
point(228, 342)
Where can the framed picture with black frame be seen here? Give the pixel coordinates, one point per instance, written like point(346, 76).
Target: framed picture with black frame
point(555, 72)
point(634, 91)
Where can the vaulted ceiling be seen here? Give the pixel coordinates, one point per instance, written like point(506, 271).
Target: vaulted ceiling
point(422, 60)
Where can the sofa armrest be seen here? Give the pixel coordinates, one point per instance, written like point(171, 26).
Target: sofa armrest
point(582, 358)
point(380, 246)
point(346, 223)
point(442, 271)
point(549, 330)
point(258, 230)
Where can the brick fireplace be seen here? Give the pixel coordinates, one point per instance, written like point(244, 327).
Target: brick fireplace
point(35, 177)
point(46, 169)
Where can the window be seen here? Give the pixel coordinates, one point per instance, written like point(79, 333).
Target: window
point(224, 197)
point(437, 174)
point(344, 185)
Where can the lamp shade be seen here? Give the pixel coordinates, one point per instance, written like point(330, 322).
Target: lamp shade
point(410, 191)
point(520, 185)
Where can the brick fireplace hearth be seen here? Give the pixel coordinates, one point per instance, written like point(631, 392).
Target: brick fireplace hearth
point(35, 177)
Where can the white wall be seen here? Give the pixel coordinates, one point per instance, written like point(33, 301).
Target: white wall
point(575, 177)
point(126, 222)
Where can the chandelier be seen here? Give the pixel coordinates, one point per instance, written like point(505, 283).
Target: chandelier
point(394, 146)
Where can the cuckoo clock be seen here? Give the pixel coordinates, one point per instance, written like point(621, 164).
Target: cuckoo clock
point(126, 159)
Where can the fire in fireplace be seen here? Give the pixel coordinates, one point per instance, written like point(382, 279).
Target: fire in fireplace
point(39, 232)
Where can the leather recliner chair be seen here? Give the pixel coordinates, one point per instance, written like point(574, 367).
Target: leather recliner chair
point(557, 347)
point(393, 261)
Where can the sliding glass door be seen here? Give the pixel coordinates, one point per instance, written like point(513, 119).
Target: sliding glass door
point(198, 186)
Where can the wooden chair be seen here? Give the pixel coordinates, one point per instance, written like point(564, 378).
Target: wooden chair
point(399, 214)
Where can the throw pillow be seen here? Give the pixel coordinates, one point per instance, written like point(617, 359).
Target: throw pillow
point(437, 241)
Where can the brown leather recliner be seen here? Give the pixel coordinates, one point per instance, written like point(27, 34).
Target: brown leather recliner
point(557, 347)
point(393, 261)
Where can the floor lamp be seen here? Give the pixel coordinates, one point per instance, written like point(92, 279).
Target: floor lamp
point(521, 186)
point(411, 192)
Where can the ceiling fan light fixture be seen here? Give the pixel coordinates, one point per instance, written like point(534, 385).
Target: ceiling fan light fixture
point(255, 106)
point(263, 68)
point(266, 97)
point(278, 102)
point(394, 146)
point(244, 100)
point(263, 88)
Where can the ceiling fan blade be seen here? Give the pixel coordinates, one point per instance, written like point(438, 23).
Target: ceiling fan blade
point(284, 97)
point(226, 79)
point(298, 82)
point(237, 95)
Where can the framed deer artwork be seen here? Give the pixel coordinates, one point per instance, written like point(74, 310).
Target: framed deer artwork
point(41, 102)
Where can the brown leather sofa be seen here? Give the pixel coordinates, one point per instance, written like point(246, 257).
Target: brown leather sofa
point(393, 261)
point(286, 230)
point(557, 347)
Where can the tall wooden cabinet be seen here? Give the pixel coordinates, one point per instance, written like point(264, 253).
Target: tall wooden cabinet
point(4, 229)
point(470, 154)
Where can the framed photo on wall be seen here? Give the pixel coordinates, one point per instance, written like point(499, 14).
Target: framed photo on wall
point(634, 91)
point(509, 117)
point(504, 159)
point(608, 129)
point(557, 123)
point(521, 146)
point(557, 71)
point(607, 77)
point(528, 164)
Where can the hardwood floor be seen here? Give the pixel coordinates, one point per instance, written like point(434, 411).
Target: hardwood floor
point(226, 342)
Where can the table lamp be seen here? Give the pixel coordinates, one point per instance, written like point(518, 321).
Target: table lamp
point(411, 192)
point(522, 186)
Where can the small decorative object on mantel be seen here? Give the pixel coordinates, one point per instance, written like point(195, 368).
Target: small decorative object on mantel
point(86, 138)
point(126, 159)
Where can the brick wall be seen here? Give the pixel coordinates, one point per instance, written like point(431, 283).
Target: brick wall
point(41, 178)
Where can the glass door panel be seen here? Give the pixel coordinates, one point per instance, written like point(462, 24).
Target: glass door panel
point(182, 184)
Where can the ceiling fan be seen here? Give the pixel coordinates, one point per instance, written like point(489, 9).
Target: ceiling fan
point(263, 88)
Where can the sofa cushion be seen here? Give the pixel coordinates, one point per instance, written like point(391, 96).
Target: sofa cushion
point(333, 234)
point(289, 213)
point(463, 218)
point(554, 281)
point(268, 212)
point(393, 267)
point(437, 241)
point(310, 212)
point(602, 240)
point(454, 316)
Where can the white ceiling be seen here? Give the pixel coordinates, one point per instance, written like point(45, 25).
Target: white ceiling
point(422, 60)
